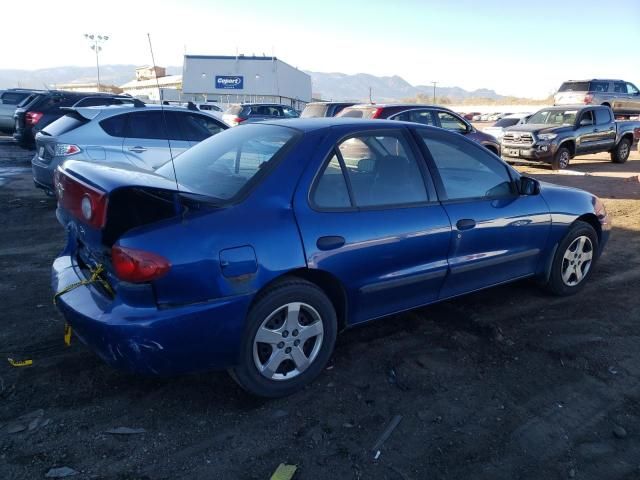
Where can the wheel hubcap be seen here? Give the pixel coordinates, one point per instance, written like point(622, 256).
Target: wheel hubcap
point(564, 160)
point(288, 341)
point(577, 261)
point(624, 151)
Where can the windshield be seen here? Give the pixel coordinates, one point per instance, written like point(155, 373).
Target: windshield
point(554, 117)
point(313, 111)
point(506, 122)
point(229, 162)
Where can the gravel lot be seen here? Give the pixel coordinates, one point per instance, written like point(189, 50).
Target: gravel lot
point(504, 384)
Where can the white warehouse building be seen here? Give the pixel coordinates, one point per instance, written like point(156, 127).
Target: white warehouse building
point(239, 79)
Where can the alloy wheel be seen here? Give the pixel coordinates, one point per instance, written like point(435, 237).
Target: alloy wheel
point(564, 159)
point(577, 260)
point(288, 341)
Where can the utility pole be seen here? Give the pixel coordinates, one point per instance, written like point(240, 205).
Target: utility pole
point(95, 42)
point(434, 91)
point(370, 99)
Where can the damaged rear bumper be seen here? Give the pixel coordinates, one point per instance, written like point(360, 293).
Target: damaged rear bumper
point(150, 340)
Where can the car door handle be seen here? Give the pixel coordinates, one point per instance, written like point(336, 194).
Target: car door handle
point(465, 224)
point(330, 242)
point(137, 149)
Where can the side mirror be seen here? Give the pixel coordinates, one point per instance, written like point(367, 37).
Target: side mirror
point(585, 122)
point(528, 186)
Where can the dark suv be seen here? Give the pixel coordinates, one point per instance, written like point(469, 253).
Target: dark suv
point(425, 114)
point(324, 109)
point(10, 100)
point(47, 107)
point(254, 112)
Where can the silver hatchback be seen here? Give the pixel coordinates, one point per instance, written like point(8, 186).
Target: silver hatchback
point(143, 136)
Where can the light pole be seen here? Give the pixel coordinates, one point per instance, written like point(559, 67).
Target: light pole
point(434, 91)
point(95, 42)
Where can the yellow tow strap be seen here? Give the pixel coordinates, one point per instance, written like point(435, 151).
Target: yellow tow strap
point(95, 278)
point(20, 363)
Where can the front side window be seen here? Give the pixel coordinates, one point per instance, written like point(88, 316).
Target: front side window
point(224, 166)
point(586, 118)
point(631, 89)
point(467, 171)
point(289, 112)
point(451, 122)
point(382, 170)
point(313, 111)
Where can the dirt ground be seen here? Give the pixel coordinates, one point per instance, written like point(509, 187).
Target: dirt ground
point(509, 383)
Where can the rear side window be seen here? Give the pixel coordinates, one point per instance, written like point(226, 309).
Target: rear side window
point(382, 171)
point(619, 87)
point(467, 170)
point(65, 124)
point(574, 87)
point(114, 126)
point(150, 125)
point(599, 87)
point(331, 190)
point(196, 128)
point(603, 116)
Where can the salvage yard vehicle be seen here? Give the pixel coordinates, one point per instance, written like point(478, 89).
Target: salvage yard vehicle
point(9, 101)
point(623, 97)
point(324, 109)
point(47, 108)
point(557, 134)
point(120, 134)
point(426, 115)
point(256, 112)
point(497, 129)
point(271, 238)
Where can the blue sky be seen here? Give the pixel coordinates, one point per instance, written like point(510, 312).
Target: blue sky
point(519, 48)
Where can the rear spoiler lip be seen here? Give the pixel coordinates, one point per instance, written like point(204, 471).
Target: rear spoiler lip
point(85, 112)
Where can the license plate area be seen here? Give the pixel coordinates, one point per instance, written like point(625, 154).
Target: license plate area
point(513, 152)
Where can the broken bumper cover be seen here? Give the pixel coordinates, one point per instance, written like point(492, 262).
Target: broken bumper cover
point(151, 340)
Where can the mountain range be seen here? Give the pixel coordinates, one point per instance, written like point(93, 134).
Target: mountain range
point(329, 86)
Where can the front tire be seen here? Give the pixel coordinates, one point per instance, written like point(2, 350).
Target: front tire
point(561, 159)
point(290, 336)
point(574, 260)
point(620, 154)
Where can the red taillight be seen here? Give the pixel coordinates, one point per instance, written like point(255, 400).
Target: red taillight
point(31, 118)
point(376, 113)
point(138, 266)
point(83, 201)
point(239, 119)
point(588, 98)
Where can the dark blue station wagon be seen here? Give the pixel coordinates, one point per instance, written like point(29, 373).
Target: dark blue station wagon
point(254, 248)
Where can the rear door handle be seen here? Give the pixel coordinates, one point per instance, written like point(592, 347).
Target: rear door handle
point(137, 149)
point(330, 242)
point(465, 224)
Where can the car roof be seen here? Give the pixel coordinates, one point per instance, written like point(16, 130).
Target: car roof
point(331, 103)
point(110, 110)
point(595, 80)
point(255, 104)
point(311, 124)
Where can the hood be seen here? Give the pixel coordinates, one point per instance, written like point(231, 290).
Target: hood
point(539, 128)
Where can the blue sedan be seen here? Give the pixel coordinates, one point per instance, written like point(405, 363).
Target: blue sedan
point(254, 248)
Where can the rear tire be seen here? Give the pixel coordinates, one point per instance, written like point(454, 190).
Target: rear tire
point(561, 159)
point(290, 335)
point(620, 154)
point(574, 260)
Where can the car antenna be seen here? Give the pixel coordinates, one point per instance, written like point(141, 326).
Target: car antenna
point(166, 126)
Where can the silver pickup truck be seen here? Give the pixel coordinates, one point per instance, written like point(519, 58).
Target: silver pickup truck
point(623, 97)
point(9, 101)
point(555, 135)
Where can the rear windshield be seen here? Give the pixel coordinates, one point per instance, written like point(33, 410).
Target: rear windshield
point(506, 122)
point(574, 87)
point(357, 112)
point(13, 98)
point(64, 124)
point(313, 111)
point(234, 109)
point(228, 164)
